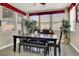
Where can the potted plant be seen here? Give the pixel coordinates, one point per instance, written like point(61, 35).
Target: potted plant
point(66, 29)
point(30, 26)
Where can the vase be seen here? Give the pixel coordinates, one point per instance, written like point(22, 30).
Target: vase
point(67, 40)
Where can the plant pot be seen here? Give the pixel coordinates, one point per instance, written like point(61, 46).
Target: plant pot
point(67, 40)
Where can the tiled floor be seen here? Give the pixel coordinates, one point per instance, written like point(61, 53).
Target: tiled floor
point(66, 50)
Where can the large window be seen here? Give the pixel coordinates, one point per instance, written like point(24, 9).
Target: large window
point(20, 24)
point(45, 21)
point(72, 18)
point(56, 20)
point(7, 19)
point(35, 18)
point(49, 21)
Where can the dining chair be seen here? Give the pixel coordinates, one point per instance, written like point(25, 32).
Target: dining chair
point(57, 45)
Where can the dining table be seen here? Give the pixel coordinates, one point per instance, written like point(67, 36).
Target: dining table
point(47, 37)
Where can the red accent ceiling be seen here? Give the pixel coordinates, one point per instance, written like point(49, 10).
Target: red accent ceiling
point(71, 6)
point(13, 8)
point(49, 12)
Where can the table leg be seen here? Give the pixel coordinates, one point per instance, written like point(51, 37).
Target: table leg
point(55, 51)
point(14, 46)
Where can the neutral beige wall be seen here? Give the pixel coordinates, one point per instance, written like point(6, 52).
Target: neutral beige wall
point(6, 38)
point(74, 36)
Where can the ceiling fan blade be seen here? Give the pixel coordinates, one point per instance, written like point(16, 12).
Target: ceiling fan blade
point(39, 3)
point(43, 3)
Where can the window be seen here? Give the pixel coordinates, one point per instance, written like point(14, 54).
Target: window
point(72, 19)
point(19, 22)
point(7, 21)
point(36, 18)
point(45, 21)
point(56, 20)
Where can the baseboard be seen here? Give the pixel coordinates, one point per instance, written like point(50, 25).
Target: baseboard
point(6, 46)
point(74, 47)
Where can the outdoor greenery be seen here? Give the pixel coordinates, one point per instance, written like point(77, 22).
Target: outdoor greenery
point(30, 26)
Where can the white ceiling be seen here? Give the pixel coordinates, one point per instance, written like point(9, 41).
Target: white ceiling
point(30, 8)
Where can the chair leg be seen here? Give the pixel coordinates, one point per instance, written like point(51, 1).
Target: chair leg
point(19, 48)
point(59, 51)
point(24, 48)
point(50, 48)
point(30, 47)
point(44, 51)
point(38, 49)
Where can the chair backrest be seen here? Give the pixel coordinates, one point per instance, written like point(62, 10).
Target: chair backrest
point(60, 37)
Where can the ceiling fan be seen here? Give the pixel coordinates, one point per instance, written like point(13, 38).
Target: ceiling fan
point(43, 3)
point(39, 4)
